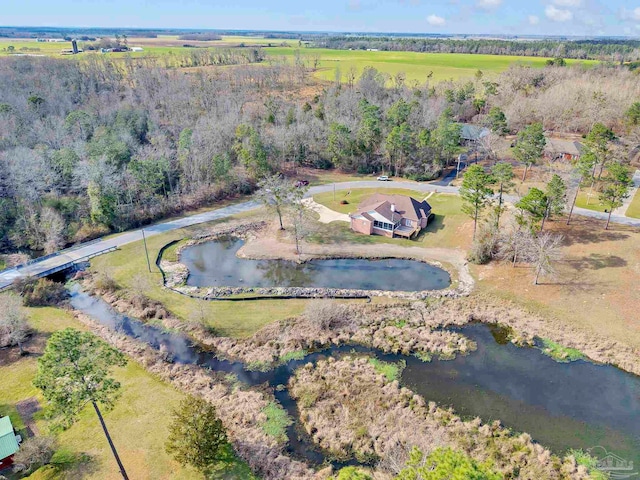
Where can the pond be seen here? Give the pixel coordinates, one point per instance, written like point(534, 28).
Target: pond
point(561, 405)
point(215, 264)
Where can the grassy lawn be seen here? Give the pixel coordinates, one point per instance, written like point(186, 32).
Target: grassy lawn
point(128, 267)
point(594, 201)
point(356, 196)
point(138, 426)
point(634, 208)
point(449, 227)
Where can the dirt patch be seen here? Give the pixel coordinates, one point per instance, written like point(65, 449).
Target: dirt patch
point(27, 409)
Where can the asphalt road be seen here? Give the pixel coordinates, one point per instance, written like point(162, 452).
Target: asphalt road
point(84, 251)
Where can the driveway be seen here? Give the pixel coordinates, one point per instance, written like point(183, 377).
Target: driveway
point(326, 214)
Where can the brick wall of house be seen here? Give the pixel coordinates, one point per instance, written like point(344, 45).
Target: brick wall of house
point(361, 226)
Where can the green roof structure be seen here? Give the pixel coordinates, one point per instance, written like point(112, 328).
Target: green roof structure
point(8, 443)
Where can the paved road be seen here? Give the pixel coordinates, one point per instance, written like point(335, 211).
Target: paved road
point(84, 251)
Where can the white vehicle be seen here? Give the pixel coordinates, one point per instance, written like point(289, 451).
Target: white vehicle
point(383, 178)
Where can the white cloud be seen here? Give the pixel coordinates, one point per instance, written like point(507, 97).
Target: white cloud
point(534, 20)
point(489, 4)
point(630, 14)
point(558, 14)
point(435, 20)
point(568, 3)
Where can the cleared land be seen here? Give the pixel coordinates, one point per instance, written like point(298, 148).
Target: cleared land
point(590, 203)
point(138, 426)
point(596, 287)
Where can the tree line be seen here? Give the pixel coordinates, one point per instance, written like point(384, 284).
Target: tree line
point(104, 145)
point(598, 49)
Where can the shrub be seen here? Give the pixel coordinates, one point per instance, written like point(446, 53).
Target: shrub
point(352, 473)
point(35, 451)
point(197, 436)
point(90, 231)
point(328, 315)
point(445, 464)
point(40, 292)
point(105, 283)
point(344, 202)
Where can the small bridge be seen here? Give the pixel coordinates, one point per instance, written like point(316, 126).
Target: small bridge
point(48, 265)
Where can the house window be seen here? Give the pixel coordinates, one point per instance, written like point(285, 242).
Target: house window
point(383, 225)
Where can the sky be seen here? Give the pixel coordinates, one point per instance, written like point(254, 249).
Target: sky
point(511, 17)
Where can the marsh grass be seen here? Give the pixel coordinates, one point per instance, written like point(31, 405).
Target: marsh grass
point(559, 352)
point(391, 371)
point(294, 355)
point(276, 422)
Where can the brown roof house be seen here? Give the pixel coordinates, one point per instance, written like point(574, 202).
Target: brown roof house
point(391, 216)
point(559, 149)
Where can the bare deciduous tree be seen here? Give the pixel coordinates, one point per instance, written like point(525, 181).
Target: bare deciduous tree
point(14, 328)
point(544, 251)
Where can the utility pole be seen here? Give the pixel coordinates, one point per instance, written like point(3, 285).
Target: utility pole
point(123, 472)
point(144, 240)
point(334, 191)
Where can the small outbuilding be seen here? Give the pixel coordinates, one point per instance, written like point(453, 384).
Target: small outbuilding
point(8, 443)
point(391, 216)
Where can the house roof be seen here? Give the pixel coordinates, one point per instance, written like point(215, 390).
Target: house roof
point(8, 443)
point(473, 132)
point(383, 207)
point(558, 145)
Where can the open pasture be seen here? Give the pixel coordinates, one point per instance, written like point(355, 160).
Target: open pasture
point(416, 66)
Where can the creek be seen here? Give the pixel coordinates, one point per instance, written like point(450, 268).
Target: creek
point(561, 405)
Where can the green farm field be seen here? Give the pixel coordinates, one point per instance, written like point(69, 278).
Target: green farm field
point(416, 66)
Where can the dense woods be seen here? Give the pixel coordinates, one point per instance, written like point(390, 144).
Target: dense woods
point(600, 49)
point(98, 145)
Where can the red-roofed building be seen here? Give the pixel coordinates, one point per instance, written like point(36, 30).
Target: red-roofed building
point(391, 216)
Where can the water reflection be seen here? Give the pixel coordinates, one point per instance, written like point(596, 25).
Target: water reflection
point(216, 264)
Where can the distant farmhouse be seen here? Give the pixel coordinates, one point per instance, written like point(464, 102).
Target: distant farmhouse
point(472, 133)
point(559, 149)
point(391, 216)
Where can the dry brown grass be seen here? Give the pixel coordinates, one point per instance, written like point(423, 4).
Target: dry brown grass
point(597, 289)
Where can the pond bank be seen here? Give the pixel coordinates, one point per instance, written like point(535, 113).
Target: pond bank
point(260, 244)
